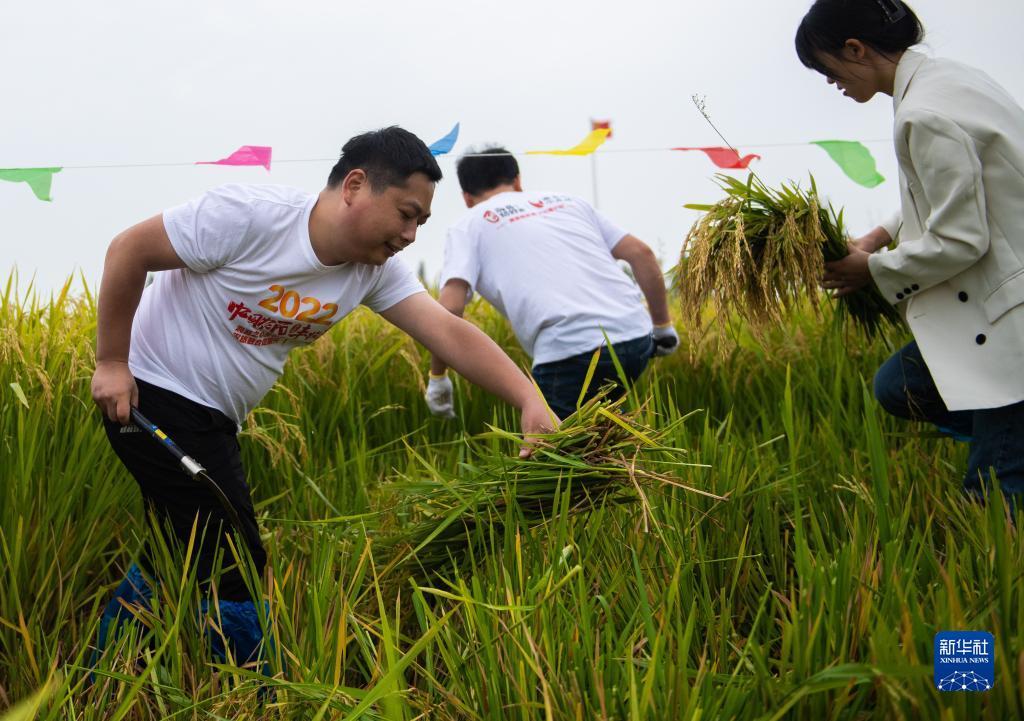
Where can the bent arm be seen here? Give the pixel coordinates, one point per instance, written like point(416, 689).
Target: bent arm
point(453, 299)
point(132, 254)
point(956, 235)
point(644, 264)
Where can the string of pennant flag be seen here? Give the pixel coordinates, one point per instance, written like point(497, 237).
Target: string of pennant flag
point(853, 157)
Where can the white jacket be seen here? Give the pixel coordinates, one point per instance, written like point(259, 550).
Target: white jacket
point(959, 265)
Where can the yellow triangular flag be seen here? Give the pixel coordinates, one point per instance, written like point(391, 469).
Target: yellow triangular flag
point(590, 143)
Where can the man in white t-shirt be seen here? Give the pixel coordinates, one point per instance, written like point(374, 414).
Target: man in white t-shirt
point(251, 272)
point(549, 263)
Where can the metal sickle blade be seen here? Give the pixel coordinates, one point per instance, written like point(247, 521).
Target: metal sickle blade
point(229, 507)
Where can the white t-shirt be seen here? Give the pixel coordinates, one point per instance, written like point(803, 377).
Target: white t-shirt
point(219, 331)
point(544, 261)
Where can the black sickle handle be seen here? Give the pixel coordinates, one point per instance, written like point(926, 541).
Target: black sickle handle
point(193, 467)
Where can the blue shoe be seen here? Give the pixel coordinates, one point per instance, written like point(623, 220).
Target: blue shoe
point(240, 626)
point(133, 594)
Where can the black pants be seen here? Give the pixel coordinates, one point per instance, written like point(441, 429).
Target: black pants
point(174, 497)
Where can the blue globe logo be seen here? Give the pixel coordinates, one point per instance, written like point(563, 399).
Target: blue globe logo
point(963, 681)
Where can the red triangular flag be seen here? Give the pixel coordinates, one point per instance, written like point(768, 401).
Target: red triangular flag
point(245, 155)
point(601, 125)
point(726, 158)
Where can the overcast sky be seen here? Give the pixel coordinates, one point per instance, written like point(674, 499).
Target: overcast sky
point(121, 82)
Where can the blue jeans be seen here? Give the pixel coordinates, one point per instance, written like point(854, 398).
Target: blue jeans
point(561, 381)
point(904, 387)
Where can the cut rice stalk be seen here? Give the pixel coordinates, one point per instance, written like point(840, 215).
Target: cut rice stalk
point(595, 458)
point(760, 252)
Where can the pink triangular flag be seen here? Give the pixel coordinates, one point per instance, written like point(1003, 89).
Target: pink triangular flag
point(245, 155)
point(726, 157)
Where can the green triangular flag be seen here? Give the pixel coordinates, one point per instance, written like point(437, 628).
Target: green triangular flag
point(855, 160)
point(39, 179)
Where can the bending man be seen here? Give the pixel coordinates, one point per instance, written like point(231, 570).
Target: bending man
point(248, 274)
point(548, 263)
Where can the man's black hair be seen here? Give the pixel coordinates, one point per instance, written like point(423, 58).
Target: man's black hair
point(486, 169)
point(887, 26)
point(388, 157)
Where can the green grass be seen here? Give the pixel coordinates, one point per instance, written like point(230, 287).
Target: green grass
point(813, 592)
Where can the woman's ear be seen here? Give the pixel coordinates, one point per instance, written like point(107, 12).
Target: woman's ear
point(854, 50)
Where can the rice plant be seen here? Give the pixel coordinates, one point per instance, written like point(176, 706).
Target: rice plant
point(806, 582)
point(759, 252)
point(600, 455)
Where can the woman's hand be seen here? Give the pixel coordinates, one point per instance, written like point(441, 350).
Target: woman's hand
point(848, 275)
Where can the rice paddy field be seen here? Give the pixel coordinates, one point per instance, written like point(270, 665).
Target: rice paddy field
point(827, 544)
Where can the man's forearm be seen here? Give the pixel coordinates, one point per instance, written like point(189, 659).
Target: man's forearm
point(120, 290)
point(453, 298)
point(481, 361)
point(652, 284)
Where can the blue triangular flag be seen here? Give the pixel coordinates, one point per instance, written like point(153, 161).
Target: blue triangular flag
point(445, 144)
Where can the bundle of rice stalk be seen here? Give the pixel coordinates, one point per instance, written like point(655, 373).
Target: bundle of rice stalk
point(760, 252)
point(599, 455)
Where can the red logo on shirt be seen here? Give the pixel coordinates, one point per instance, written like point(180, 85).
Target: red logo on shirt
point(491, 217)
point(537, 203)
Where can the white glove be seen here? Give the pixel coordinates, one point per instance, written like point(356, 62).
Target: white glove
point(441, 396)
point(666, 340)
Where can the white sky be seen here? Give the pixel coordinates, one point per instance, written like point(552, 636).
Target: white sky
point(122, 82)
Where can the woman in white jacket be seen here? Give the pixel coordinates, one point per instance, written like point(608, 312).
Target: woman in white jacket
point(958, 270)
